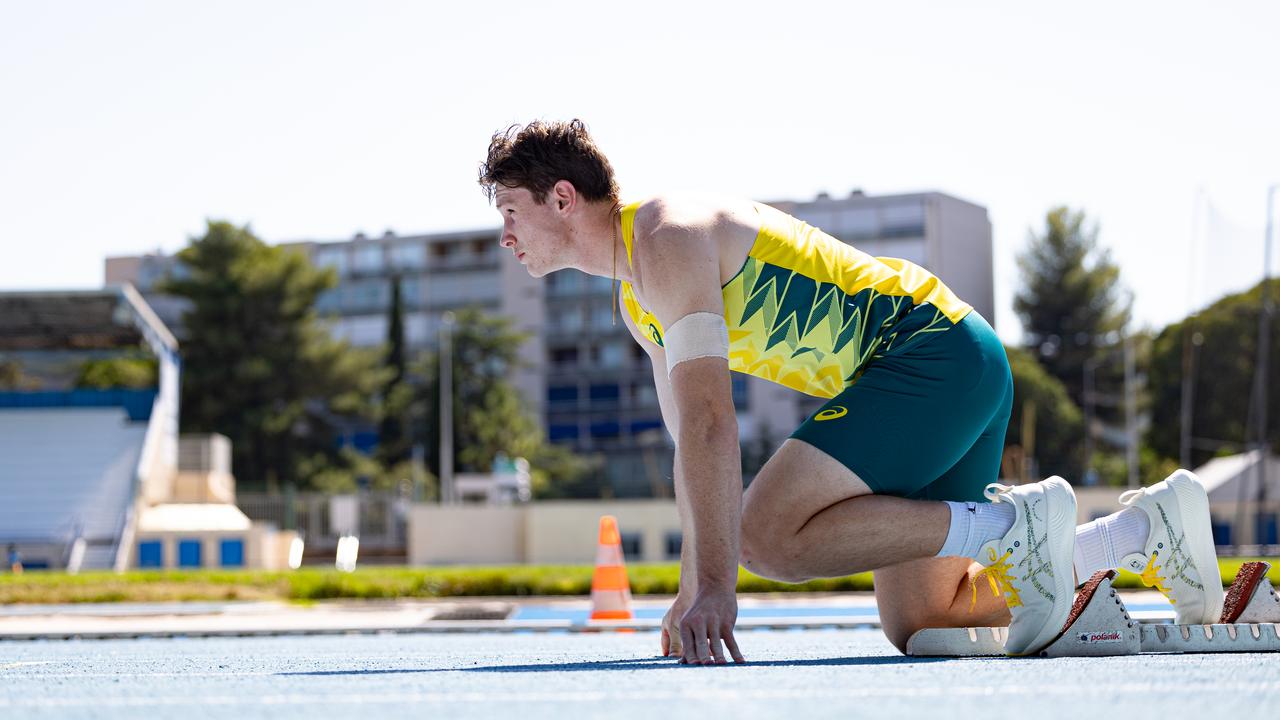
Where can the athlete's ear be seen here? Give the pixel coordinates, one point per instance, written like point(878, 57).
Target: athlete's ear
point(564, 196)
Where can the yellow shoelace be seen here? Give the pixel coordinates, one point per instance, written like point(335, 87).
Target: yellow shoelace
point(998, 573)
point(1151, 577)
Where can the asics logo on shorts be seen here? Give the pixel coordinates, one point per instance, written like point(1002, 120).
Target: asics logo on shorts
point(831, 413)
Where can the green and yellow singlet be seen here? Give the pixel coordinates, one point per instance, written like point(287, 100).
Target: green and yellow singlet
point(809, 312)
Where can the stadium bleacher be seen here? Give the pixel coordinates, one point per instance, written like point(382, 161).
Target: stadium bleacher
point(75, 462)
point(67, 473)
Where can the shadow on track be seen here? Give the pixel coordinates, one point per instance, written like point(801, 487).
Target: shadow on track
point(654, 663)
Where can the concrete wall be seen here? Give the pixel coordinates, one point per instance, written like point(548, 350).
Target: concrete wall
point(566, 531)
point(1095, 502)
point(464, 534)
point(543, 532)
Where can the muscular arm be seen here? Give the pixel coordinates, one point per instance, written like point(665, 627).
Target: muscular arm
point(666, 404)
point(679, 266)
point(678, 273)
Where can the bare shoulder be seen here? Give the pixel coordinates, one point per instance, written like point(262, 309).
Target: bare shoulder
point(687, 214)
point(678, 247)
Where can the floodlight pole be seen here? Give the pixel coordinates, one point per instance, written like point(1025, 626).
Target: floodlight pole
point(1131, 413)
point(1263, 362)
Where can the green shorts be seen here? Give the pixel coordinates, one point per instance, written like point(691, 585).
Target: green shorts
point(926, 423)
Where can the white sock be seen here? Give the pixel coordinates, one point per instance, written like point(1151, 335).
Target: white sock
point(975, 524)
point(1102, 543)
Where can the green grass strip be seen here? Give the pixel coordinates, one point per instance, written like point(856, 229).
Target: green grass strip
point(375, 582)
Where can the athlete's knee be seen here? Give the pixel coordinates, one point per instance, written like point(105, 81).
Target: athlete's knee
point(771, 555)
point(898, 634)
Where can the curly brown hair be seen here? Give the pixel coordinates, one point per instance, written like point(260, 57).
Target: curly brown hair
point(538, 155)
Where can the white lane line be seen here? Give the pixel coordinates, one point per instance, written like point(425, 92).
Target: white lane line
point(700, 694)
point(28, 663)
point(68, 676)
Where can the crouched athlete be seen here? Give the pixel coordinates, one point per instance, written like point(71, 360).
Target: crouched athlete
point(895, 473)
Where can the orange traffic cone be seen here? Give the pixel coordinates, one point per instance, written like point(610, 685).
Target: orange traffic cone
point(610, 590)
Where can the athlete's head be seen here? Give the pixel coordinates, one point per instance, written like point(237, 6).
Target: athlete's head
point(541, 177)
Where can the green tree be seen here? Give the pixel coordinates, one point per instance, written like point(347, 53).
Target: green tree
point(1059, 427)
point(489, 415)
point(137, 369)
point(257, 365)
point(1223, 354)
point(1071, 302)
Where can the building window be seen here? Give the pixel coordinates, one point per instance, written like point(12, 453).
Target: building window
point(562, 432)
point(902, 221)
point(675, 539)
point(368, 258)
point(606, 429)
point(643, 394)
point(608, 355)
point(231, 552)
point(410, 292)
point(409, 255)
point(639, 426)
point(332, 257)
point(150, 554)
point(604, 395)
point(632, 545)
point(562, 395)
point(566, 320)
point(366, 295)
point(602, 317)
point(738, 383)
point(189, 553)
point(564, 357)
point(329, 301)
point(565, 282)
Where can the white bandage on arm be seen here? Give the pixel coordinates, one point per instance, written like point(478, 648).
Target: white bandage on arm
point(696, 335)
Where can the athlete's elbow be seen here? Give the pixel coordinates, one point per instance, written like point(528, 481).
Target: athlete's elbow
point(709, 430)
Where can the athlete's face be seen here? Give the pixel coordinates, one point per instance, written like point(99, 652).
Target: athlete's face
point(535, 232)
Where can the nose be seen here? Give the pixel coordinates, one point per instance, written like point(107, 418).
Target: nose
point(507, 240)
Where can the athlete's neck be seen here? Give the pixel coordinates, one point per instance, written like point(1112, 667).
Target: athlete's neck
point(598, 235)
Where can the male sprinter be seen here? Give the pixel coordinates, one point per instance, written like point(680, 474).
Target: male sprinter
point(890, 474)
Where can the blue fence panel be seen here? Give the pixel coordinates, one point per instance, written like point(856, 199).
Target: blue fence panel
point(137, 403)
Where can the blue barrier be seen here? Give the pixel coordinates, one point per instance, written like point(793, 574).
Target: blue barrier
point(137, 403)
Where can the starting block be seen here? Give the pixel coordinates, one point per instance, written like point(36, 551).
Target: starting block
point(1099, 625)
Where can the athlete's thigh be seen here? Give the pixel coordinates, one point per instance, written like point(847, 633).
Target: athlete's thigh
point(794, 485)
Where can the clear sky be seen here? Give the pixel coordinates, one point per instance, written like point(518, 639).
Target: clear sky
point(124, 125)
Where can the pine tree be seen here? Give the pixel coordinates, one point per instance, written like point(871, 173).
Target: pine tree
point(393, 431)
point(1071, 303)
